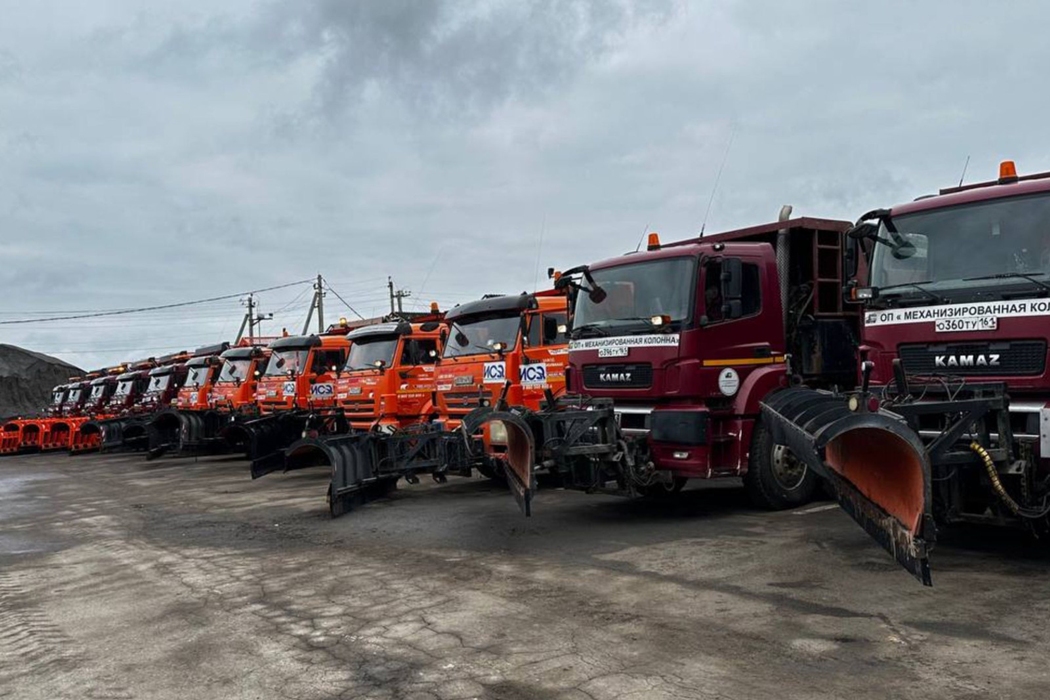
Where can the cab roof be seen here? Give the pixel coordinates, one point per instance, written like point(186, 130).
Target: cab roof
point(970, 194)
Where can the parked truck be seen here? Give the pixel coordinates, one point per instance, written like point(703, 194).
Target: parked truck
point(951, 422)
point(222, 393)
point(673, 348)
point(502, 356)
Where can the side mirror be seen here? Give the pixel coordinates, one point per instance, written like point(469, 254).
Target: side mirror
point(597, 295)
point(550, 330)
point(732, 288)
point(865, 229)
point(461, 339)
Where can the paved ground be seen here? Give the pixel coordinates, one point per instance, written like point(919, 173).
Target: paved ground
point(181, 579)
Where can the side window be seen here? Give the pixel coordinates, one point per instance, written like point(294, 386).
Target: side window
point(535, 330)
point(751, 290)
point(325, 360)
point(417, 352)
point(551, 334)
point(713, 291)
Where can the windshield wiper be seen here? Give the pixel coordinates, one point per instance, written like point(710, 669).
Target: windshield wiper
point(594, 328)
point(1008, 275)
point(916, 285)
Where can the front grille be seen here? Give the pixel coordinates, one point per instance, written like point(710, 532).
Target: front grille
point(464, 401)
point(1018, 357)
point(618, 376)
point(359, 406)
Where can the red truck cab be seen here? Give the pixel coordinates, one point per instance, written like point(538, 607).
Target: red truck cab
point(686, 339)
point(301, 372)
point(388, 378)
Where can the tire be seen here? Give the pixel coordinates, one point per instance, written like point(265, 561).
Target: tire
point(775, 480)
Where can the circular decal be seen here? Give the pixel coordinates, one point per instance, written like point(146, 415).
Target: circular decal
point(728, 381)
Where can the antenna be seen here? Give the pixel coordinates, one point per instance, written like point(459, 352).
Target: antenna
point(965, 165)
point(718, 177)
point(539, 252)
point(639, 246)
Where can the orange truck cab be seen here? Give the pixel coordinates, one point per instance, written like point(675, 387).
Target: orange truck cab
point(58, 429)
point(202, 369)
point(388, 379)
point(100, 389)
point(301, 373)
point(512, 344)
point(236, 386)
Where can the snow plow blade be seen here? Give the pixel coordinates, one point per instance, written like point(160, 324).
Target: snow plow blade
point(876, 464)
point(518, 461)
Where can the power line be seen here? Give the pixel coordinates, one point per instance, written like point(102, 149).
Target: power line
point(345, 303)
point(151, 308)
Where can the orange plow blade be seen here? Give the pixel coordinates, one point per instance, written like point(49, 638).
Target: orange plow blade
point(876, 464)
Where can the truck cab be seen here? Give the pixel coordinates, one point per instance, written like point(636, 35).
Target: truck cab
point(685, 339)
point(130, 390)
point(202, 369)
point(517, 339)
point(388, 378)
point(301, 372)
point(236, 385)
point(164, 383)
point(99, 392)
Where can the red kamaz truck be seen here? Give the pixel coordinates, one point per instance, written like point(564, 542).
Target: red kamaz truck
point(672, 350)
point(952, 420)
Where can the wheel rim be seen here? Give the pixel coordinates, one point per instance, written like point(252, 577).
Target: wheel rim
point(788, 470)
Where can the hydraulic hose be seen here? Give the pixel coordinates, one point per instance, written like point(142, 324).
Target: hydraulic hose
point(997, 485)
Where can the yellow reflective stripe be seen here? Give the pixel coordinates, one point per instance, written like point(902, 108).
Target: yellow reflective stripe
point(744, 361)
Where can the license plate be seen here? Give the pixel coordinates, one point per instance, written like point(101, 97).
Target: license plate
point(271, 393)
point(613, 352)
point(973, 323)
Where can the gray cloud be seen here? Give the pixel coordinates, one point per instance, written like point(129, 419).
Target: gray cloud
point(194, 149)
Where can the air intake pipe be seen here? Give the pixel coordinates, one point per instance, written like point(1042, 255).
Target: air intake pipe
point(783, 261)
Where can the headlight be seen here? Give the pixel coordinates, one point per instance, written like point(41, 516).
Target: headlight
point(498, 433)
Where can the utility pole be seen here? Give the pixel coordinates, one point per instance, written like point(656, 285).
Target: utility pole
point(316, 303)
point(251, 319)
point(396, 297)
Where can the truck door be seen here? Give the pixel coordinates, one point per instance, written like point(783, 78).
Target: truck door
point(544, 357)
point(416, 375)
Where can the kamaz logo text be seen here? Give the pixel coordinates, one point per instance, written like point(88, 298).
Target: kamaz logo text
point(615, 376)
point(989, 360)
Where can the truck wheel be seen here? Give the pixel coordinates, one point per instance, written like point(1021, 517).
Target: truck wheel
point(776, 479)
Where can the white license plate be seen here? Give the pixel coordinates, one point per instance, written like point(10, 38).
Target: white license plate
point(973, 323)
point(612, 352)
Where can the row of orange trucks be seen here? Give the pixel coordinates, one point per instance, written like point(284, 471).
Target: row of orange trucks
point(898, 361)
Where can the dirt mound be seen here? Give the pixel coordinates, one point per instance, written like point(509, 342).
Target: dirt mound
point(26, 379)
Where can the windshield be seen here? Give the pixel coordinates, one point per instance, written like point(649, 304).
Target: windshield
point(74, 395)
point(365, 353)
point(124, 387)
point(235, 370)
point(56, 397)
point(949, 247)
point(640, 291)
point(198, 376)
point(158, 382)
point(97, 390)
point(475, 335)
point(283, 361)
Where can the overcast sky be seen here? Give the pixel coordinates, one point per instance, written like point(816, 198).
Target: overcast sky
point(159, 152)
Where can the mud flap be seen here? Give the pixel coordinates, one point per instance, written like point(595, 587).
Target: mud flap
point(518, 462)
point(877, 466)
